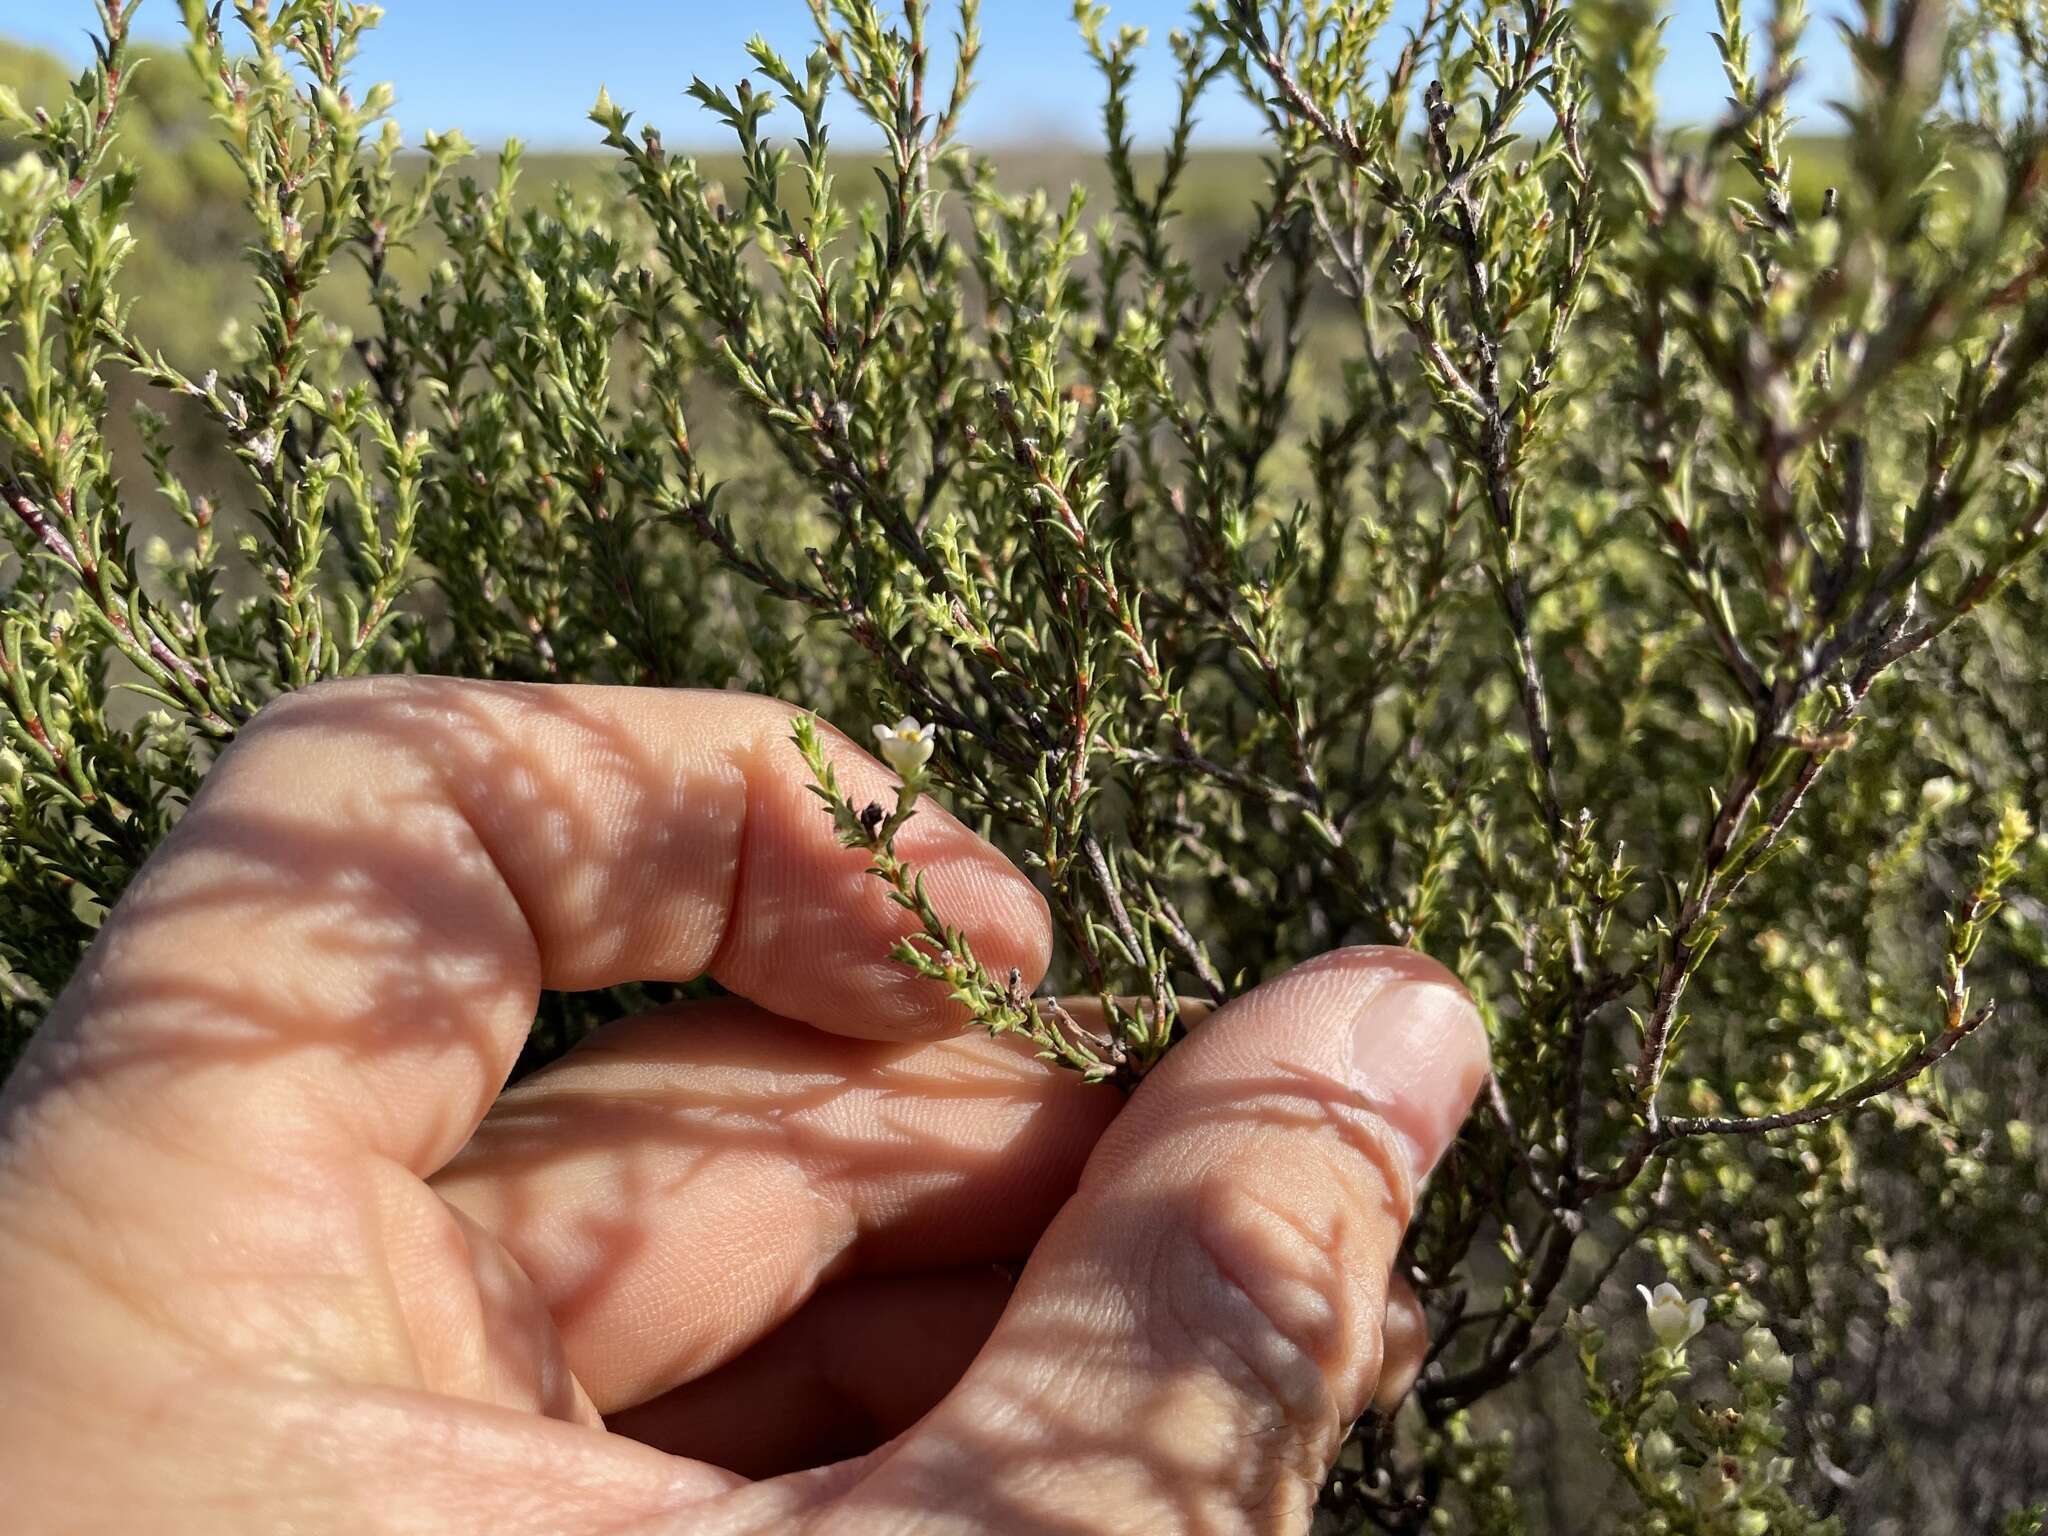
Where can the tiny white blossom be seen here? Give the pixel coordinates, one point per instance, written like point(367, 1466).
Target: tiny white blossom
point(1762, 1354)
point(1673, 1319)
point(906, 745)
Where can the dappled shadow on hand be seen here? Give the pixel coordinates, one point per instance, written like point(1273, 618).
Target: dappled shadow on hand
point(331, 965)
point(1130, 1385)
point(379, 877)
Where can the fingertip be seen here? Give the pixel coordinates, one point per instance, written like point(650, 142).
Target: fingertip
point(974, 886)
point(811, 929)
point(1377, 1028)
point(1419, 1051)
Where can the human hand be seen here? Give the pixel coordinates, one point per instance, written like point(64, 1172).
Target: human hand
point(272, 1259)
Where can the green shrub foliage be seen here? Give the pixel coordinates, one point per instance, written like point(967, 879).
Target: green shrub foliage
point(1592, 552)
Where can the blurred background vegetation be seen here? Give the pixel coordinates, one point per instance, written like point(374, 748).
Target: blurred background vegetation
point(186, 276)
point(191, 288)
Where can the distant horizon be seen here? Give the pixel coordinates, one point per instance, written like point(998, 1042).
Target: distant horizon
point(525, 75)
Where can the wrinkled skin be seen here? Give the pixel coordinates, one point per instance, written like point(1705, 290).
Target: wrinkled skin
point(277, 1253)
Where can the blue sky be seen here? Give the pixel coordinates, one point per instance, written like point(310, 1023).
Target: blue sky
point(532, 67)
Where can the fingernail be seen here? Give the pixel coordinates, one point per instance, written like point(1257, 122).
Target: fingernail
point(1418, 1057)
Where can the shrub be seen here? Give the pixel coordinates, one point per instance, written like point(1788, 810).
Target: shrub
point(1579, 548)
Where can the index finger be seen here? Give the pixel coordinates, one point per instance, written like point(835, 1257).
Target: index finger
point(352, 924)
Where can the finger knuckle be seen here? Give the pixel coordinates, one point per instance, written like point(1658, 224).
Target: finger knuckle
point(1268, 1295)
point(341, 702)
point(298, 734)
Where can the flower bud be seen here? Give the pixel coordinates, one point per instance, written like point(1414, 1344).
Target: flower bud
point(1765, 1357)
point(1717, 1482)
point(1657, 1450)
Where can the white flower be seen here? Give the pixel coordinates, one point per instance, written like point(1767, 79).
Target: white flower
point(1762, 1354)
point(906, 745)
point(1673, 1319)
